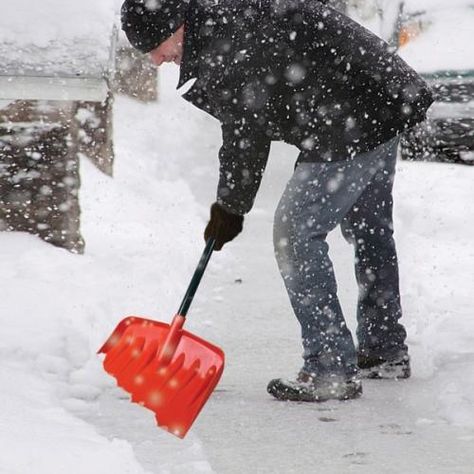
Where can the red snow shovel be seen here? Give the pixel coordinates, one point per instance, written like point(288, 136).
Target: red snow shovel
point(165, 368)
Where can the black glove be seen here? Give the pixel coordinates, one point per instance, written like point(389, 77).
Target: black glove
point(223, 226)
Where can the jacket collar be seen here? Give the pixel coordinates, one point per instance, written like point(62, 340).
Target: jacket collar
point(191, 47)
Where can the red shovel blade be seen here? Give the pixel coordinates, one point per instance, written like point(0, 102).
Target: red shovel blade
point(164, 368)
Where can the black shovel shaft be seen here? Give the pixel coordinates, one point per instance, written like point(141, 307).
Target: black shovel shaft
point(196, 279)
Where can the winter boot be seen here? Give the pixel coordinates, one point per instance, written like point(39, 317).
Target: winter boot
point(379, 368)
point(307, 388)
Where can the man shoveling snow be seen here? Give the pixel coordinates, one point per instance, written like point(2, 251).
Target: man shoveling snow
point(301, 72)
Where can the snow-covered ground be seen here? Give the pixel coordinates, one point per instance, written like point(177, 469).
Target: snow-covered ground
point(61, 413)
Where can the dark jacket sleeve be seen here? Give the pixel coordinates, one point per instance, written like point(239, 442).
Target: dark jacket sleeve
point(243, 157)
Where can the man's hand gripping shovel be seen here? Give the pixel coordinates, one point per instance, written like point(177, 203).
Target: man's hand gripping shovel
point(165, 368)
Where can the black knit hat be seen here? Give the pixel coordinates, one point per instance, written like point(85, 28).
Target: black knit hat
point(147, 23)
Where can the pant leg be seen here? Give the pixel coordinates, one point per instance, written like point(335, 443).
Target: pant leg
point(315, 201)
point(369, 226)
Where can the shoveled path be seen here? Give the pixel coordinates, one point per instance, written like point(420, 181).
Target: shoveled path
point(393, 428)
point(242, 306)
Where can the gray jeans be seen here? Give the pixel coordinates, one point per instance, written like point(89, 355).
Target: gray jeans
point(357, 194)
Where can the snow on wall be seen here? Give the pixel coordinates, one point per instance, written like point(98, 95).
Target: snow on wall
point(56, 37)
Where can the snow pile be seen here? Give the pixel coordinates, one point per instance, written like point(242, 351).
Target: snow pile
point(434, 228)
point(37, 434)
point(143, 232)
point(54, 36)
point(52, 315)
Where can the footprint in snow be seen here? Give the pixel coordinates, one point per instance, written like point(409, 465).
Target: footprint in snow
point(394, 428)
point(358, 457)
point(326, 419)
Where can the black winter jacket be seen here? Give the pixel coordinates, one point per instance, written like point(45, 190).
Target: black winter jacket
point(291, 70)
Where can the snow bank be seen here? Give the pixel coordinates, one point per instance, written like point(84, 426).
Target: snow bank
point(143, 234)
point(42, 437)
point(434, 228)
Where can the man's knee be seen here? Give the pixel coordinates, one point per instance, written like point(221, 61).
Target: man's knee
point(373, 231)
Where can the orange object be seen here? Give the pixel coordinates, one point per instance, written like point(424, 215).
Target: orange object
point(165, 368)
point(408, 32)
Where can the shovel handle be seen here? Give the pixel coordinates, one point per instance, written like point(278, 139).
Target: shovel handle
point(196, 279)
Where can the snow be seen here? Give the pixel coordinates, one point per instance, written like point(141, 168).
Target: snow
point(438, 281)
point(418, 5)
point(446, 43)
point(56, 37)
point(143, 230)
point(58, 308)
